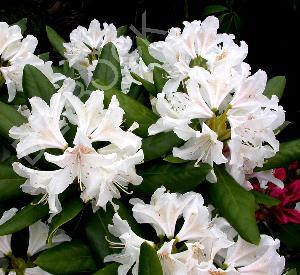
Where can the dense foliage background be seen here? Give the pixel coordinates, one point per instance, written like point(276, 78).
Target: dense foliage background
point(268, 27)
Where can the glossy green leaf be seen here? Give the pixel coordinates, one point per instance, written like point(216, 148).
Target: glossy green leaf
point(291, 272)
point(96, 231)
point(213, 9)
point(264, 199)
point(111, 269)
point(72, 257)
point(69, 211)
point(127, 215)
point(175, 177)
point(147, 84)
point(160, 77)
point(288, 152)
point(24, 217)
point(44, 56)
point(275, 86)
point(235, 204)
point(149, 263)
point(159, 145)
point(35, 83)
point(9, 183)
point(122, 31)
point(173, 159)
point(107, 74)
point(56, 40)
point(135, 91)
point(134, 111)
point(9, 117)
point(22, 24)
point(143, 48)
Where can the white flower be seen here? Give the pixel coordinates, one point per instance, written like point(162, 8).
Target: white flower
point(248, 258)
point(215, 86)
point(173, 264)
point(170, 53)
point(130, 245)
point(201, 146)
point(5, 247)
point(208, 81)
point(197, 245)
point(99, 124)
point(47, 70)
point(15, 53)
point(264, 177)
point(249, 92)
point(173, 111)
point(253, 138)
point(100, 174)
point(135, 64)
point(38, 234)
point(85, 46)
point(43, 128)
point(198, 45)
point(163, 211)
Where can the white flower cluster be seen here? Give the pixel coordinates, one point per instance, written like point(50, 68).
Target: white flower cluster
point(99, 173)
point(201, 245)
point(85, 47)
point(15, 53)
point(212, 101)
point(38, 234)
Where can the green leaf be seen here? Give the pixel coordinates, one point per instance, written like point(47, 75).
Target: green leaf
point(134, 111)
point(35, 83)
point(149, 263)
point(159, 145)
point(68, 258)
point(291, 272)
point(9, 184)
point(175, 177)
point(127, 215)
point(111, 269)
point(160, 77)
point(22, 24)
point(287, 233)
point(173, 159)
point(56, 40)
point(135, 91)
point(275, 86)
point(235, 204)
point(288, 152)
point(143, 48)
point(147, 84)
point(96, 230)
point(69, 211)
point(25, 217)
point(264, 199)
point(44, 56)
point(9, 117)
point(107, 74)
point(122, 31)
point(212, 9)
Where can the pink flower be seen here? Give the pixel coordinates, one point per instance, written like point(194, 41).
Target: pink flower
point(288, 196)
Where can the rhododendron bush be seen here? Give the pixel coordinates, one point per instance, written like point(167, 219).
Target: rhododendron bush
point(138, 157)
